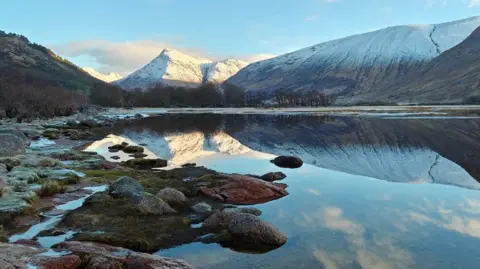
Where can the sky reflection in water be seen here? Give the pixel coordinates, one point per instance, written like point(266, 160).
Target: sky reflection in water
point(337, 220)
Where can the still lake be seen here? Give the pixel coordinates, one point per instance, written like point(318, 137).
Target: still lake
point(374, 192)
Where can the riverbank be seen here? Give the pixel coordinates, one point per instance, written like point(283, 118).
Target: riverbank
point(52, 191)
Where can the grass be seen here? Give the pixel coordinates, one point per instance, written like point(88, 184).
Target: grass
point(50, 188)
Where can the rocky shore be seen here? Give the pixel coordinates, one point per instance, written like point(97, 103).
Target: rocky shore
point(66, 208)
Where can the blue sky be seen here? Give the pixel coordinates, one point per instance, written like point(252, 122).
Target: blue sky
point(123, 35)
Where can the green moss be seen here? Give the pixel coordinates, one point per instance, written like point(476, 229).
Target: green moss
point(50, 135)
point(133, 149)
point(146, 163)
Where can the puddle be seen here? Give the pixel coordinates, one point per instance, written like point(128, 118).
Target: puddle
point(51, 222)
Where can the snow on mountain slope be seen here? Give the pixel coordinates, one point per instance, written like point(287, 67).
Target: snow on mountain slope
point(220, 71)
point(181, 148)
point(173, 67)
point(107, 78)
point(356, 64)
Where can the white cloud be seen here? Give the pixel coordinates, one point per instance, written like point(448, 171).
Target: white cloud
point(474, 3)
point(126, 57)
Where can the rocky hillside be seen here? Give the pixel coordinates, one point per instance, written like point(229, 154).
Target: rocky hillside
point(21, 59)
point(452, 77)
point(175, 68)
point(356, 66)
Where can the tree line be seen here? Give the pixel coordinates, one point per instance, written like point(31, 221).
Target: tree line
point(208, 95)
point(22, 97)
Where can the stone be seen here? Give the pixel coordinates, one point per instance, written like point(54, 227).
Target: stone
point(115, 157)
point(125, 187)
point(138, 155)
point(146, 163)
point(3, 114)
point(17, 133)
point(202, 208)
point(28, 242)
point(172, 196)
point(133, 149)
point(52, 135)
point(89, 123)
point(38, 161)
point(3, 169)
point(189, 165)
point(11, 145)
point(273, 176)
point(240, 189)
point(11, 162)
point(287, 162)
point(117, 147)
point(246, 210)
point(138, 116)
point(150, 204)
point(57, 262)
point(21, 173)
point(245, 231)
point(100, 256)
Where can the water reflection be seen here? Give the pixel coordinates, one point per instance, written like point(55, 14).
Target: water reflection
point(339, 214)
point(412, 150)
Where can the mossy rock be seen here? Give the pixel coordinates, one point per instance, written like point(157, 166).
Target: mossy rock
point(133, 149)
point(50, 135)
point(117, 147)
point(146, 163)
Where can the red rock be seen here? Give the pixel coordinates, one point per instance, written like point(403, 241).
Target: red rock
point(28, 242)
point(102, 256)
point(62, 262)
point(240, 189)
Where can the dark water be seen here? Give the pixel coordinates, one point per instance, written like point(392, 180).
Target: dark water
point(375, 192)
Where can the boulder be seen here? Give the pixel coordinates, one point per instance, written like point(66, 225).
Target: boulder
point(273, 176)
point(287, 162)
point(245, 231)
point(11, 162)
point(125, 187)
point(3, 169)
point(202, 208)
point(138, 155)
point(38, 161)
point(21, 173)
point(11, 145)
point(146, 163)
point(240, 189)
point(77, 134)
point(100, 256)
point(117, 147)
point(52, 135)
point(133, 149)
point(189, 165)
point(150, 204)
point(115, 157)
point(18, 133)
point(246, 210)
point(172, 196)
point(89, 123)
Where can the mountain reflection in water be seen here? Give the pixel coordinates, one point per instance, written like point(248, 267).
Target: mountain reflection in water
point(347, 207)
point(443, 151)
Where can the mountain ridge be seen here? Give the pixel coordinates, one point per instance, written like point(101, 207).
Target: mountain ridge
point(175, 68)
point(352, 66)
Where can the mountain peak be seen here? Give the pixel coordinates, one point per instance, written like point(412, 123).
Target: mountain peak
point(110, 77)
point(173, 67)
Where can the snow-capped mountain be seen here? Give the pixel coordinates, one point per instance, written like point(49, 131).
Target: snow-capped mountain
point(107, 78)
point(452, 77)
point(357, 64)
point(173, 67)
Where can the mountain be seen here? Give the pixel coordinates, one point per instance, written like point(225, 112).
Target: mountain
point(356, 66)
point(454, 76)
point(173, 67)
point(110, 77)
point(22, 60)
